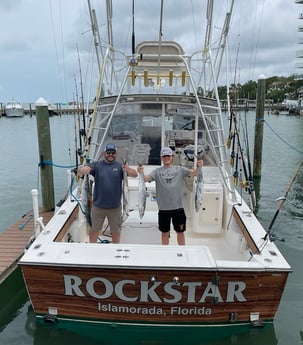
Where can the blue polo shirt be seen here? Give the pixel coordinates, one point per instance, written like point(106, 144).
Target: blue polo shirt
point(108, 184)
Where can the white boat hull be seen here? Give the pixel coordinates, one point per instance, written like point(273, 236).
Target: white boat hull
point(14, 109)
point(220, 276)
point(227, 273)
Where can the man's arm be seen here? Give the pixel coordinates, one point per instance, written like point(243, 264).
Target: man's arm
point(194, 172)
point(130, 171)
point(140, 170)
point(85, 170)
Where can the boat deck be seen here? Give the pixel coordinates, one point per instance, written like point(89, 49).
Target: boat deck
point(216, 244)
point(149, 234)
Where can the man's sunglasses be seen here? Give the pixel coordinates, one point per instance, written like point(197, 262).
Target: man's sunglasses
point(110, 152)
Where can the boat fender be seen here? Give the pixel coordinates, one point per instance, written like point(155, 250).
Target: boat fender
point(102, 241)
point(257, 324)
point(49, 318)
point(29, 243)
point(233, 316)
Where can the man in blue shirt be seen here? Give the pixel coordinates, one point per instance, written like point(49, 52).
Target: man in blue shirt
point(108, 174)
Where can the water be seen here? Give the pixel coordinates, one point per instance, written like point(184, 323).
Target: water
point(20, 159)
point(282, 154)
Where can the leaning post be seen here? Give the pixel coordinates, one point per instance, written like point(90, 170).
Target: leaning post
point(259, 126)
point(45, 153)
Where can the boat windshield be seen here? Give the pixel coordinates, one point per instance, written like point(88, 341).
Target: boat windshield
point(139, 130)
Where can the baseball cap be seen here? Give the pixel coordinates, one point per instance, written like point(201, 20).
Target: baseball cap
point(166, 151)
point(110, 147)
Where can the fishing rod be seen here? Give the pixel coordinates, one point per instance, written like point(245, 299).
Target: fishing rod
point(233, 93)
point(160, 41)
point(230, 133)
point(133, 27)
point(76, 144)
point(78, 150)
point(246, 184)
point(282, 200)
point(82, 132)
point(236, 172)
point(232, 153)
point(250, 175)
point(233, 156)
point(95, 32)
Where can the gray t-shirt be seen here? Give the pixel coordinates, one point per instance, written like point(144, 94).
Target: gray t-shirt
point(169, 186)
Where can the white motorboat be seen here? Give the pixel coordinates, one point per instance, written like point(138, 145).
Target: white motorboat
point(229, 274)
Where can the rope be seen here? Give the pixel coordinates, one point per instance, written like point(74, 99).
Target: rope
point(56, 165)
point(72, 180)
point(279, 136)
point(50, 163)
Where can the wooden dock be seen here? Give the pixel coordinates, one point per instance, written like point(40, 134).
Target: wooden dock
point(14, 240)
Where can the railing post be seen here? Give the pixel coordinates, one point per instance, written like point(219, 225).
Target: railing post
point(34, 193)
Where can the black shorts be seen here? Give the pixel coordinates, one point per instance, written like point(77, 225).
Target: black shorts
point(178, 218)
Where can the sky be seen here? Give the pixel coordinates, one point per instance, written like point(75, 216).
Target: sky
point(46, 45)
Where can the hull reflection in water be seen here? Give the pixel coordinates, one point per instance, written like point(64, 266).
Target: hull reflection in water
point(12, 296)
point(114, 334)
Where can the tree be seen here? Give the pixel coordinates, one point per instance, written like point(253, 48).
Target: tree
point(277, 89)
point(249, 90)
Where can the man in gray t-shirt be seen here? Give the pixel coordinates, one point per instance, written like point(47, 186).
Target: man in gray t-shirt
point(169, 191)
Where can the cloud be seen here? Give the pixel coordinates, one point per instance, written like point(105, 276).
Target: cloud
point(42, 41)
point(268, 39)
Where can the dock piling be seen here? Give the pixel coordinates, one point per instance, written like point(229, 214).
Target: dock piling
point(45, 153)
point(259, 126)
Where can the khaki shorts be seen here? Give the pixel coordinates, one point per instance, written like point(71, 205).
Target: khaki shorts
point(113, 216)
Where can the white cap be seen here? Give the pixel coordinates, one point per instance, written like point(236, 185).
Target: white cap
point(166, 151)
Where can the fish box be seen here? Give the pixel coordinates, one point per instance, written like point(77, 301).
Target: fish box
point(210, 213)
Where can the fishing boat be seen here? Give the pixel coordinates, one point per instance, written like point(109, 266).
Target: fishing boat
point(230, 273)
point(14, 109)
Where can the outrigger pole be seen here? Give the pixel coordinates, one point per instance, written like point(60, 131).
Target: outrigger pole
point(283, 199)
point(133, 27)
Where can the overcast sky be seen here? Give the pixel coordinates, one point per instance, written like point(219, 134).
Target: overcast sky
point(40, 39)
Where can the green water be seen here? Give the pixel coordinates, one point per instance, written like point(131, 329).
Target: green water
point(282, 154)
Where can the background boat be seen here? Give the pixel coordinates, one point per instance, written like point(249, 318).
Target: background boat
point(14, 109)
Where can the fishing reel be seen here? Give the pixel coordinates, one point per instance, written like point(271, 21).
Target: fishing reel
point(229, 139)
point(189, 152)
point(133, 60)
point(235, 178)
point(243, 184)
point(75, 171)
